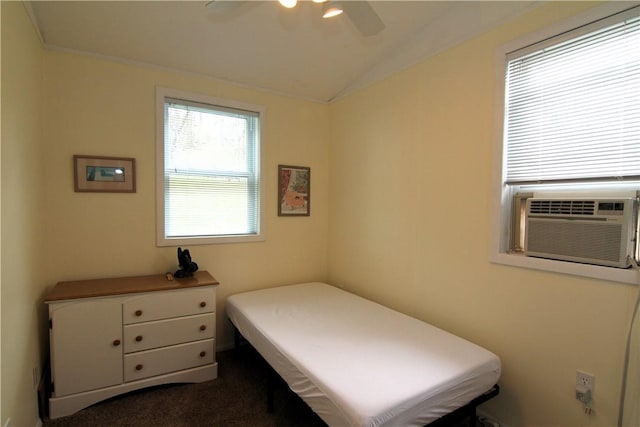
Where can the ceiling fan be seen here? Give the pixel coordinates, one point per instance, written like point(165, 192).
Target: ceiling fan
point(361, 14)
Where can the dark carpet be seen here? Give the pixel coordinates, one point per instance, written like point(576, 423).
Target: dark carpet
point(236, 398)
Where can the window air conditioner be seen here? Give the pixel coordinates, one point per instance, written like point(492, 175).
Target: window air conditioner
point(598, 231)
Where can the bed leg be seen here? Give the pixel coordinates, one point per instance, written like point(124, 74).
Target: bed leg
point(271, 385)
point(472, 417)
point(236, 338)
point(272, 377)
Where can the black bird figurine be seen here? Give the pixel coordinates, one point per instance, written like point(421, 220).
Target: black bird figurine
point(187, 267)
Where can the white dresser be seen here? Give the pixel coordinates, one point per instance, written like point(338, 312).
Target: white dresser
point(112, 336)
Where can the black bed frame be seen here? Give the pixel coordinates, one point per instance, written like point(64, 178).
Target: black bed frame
point(466, 413)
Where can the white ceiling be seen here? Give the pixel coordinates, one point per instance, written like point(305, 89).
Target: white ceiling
point(262, 45)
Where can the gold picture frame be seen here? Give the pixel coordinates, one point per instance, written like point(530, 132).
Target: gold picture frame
point(104, 174)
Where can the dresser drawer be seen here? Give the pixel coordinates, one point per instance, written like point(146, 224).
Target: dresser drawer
point(162, 333)
point(165, 305)
point(168, 359)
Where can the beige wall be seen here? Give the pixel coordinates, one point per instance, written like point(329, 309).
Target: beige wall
point(412, 160)
point(23, 272)
point(106, 108)
point(1, 418)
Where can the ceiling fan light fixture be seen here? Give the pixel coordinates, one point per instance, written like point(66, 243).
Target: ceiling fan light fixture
point(288, 3)
point(319, 1)
point(331, 9)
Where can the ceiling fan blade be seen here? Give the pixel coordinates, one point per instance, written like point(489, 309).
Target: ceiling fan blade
point(224, 6)
point(363, 17)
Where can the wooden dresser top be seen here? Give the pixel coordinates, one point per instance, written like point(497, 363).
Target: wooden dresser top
point(126, 285)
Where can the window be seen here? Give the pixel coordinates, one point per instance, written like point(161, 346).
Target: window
point(209, 163)
point(571, 119)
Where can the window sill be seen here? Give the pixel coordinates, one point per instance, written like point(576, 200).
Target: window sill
point(192, 241)
point(629, 275)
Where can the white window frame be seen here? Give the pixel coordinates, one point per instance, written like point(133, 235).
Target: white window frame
point(502, 198)
point(163, 93)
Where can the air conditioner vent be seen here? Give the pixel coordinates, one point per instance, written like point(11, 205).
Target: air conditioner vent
point(594, 231)
point(562, 207)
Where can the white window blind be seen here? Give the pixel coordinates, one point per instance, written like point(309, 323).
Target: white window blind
point(573, 106)
point(211, 170)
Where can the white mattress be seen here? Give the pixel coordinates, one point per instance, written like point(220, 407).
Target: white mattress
point(355, 362)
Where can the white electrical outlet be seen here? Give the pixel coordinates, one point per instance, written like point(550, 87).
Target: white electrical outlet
point(584, 387)
point(584, 379)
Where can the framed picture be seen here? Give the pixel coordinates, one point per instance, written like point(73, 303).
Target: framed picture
point(104, 174)
point(294, 191)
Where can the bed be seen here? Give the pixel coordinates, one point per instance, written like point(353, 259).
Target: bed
point(358, 363)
